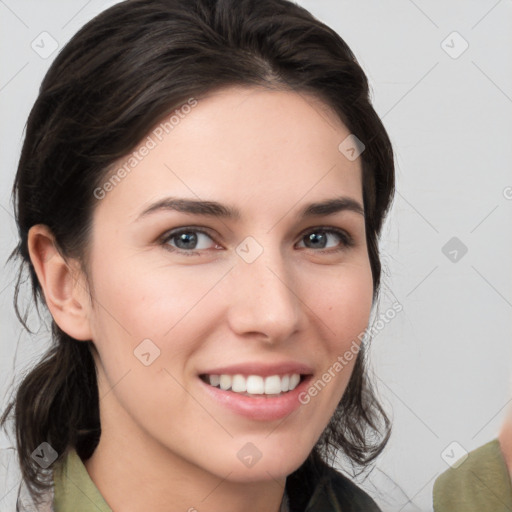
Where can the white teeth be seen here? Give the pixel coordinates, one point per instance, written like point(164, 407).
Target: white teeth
point(273, 385)
point(239, 385)
point(294, 380)
point(255, 384)
point(214, 380)
point(285, 383)
point(225, 382)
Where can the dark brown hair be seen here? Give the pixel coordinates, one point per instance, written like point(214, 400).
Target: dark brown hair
point(120, 74)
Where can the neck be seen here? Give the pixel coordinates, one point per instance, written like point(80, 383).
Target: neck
point(134, 472)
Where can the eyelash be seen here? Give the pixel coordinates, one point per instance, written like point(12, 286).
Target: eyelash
point(346, 240)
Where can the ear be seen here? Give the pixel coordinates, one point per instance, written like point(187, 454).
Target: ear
point(63, 283)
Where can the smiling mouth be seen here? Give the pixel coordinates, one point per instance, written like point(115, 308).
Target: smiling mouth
point(255, 385)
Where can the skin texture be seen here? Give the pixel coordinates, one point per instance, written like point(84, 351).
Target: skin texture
point(165, 444)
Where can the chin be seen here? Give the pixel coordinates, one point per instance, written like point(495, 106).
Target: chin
point(261, 470)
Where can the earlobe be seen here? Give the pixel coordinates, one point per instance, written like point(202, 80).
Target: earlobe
point(62, 283)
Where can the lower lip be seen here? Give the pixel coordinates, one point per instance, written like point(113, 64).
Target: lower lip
point(259, 408)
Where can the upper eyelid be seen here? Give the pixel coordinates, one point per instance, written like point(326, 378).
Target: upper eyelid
point(184, 229)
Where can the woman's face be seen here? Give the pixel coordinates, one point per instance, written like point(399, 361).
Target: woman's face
point(260, 293)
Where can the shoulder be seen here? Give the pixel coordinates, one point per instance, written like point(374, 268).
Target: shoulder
point(480, 482)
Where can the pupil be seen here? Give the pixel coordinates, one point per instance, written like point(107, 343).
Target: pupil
point(187, 237)
point(313, 237)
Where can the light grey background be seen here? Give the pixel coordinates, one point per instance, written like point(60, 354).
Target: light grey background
point(444, 364)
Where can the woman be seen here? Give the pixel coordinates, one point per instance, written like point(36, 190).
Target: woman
point(199, 198)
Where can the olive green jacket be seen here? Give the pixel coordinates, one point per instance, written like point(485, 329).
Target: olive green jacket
point(315, 487)
point(480, 483)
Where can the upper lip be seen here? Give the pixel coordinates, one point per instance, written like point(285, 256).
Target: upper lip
point(265, 370)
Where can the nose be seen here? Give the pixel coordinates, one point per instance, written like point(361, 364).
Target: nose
point(264, 299)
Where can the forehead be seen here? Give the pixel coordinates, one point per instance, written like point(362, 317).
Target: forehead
point(240, 146)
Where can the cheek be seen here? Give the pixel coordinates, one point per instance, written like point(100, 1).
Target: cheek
point(134, 302)
point(343, 301)
point(160, 312)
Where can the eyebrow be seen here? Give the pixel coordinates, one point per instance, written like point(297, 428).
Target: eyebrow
point(215, 209)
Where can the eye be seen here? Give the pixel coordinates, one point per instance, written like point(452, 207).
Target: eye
point(318, 238)
point(187, 241)
point(190, 241)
